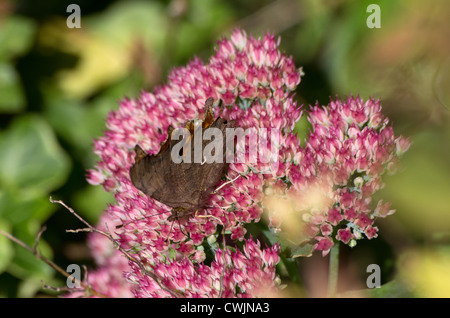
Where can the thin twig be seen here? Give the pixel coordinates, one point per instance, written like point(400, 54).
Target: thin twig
point(37, 239)
point(62, 289)
point(130, 257)
point(35, 251)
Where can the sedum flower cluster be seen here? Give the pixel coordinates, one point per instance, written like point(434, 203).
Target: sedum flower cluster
point(350, 146)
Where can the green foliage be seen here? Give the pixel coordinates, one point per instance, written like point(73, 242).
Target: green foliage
point(16, 35)
point(32, 165)
point(31, 159)
point(6, 247)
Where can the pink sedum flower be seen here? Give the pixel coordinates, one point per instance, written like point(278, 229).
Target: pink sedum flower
point(243, 273)
point(255, 82)
point(353, 145)
point(350, 139)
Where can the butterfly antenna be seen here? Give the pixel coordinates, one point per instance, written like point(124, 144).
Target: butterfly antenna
point(140, 219)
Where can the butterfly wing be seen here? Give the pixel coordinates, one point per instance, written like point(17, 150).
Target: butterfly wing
point(191, 184)
point(208, 175)
point(145, 174)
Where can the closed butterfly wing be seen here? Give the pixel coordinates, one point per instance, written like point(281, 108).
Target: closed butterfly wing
point(180, 185)
point(208, 175)
point(146, 173)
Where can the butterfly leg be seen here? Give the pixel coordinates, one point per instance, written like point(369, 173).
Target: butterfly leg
point(170, 231)
point(179, 225)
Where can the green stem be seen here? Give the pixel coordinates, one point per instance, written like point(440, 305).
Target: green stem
point(333, 270)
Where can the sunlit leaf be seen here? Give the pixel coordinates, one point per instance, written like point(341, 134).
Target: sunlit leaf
point(11, 93)
point(106, 45)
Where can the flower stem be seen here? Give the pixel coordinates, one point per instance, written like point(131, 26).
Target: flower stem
point(333, 270)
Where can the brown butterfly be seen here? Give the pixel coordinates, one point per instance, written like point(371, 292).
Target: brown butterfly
point(185, 186)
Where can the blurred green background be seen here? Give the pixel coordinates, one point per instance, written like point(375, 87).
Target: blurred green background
point(58, 84)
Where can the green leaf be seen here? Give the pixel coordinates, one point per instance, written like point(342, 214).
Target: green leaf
point(25, 264)
point(28, 287)
point(30, 157)
point(288, 267)
point(11, 93)
point(78, 123)
point(70, 120)
point(16, 35)
point(303, 250)
point(392, 289)
point(16, 207)
point(6, 247)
